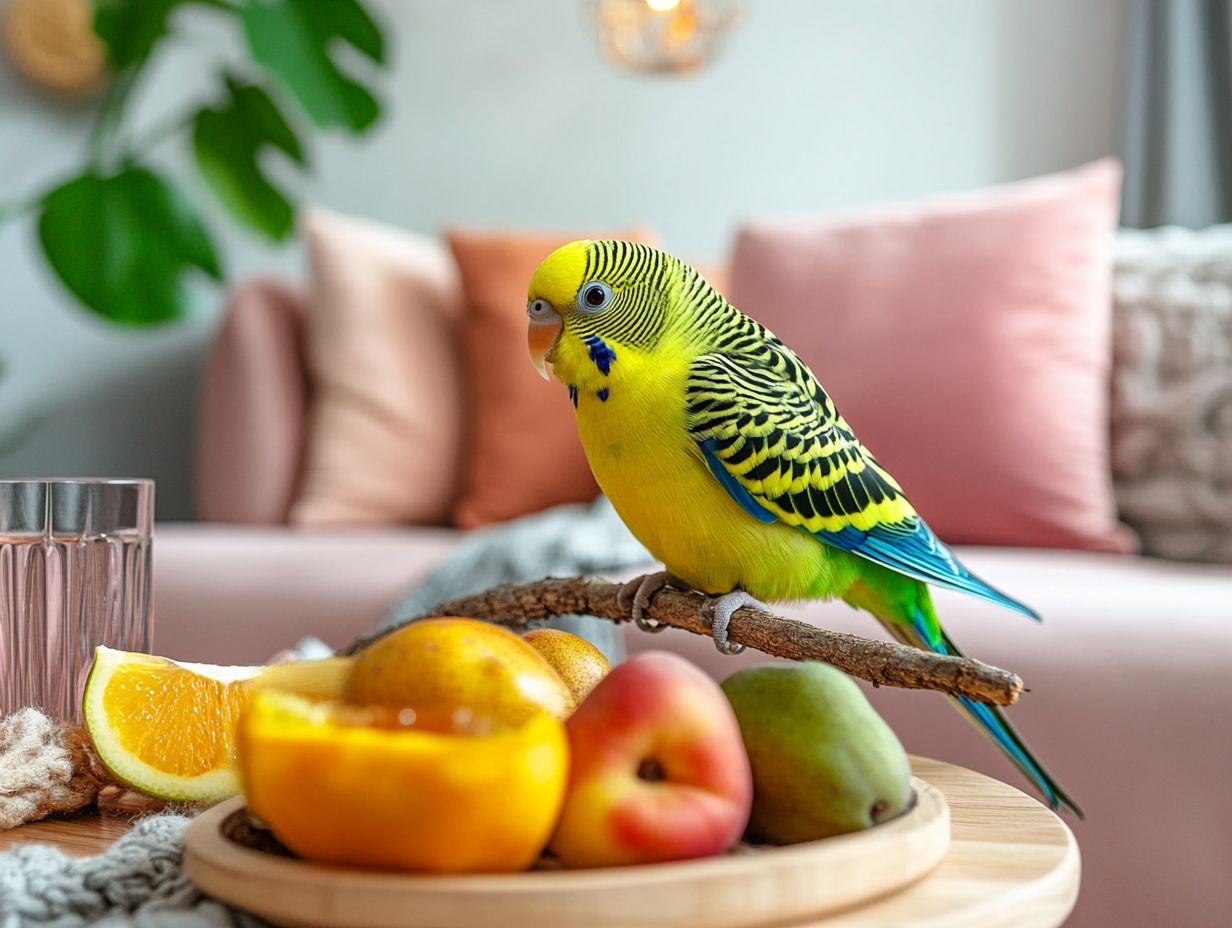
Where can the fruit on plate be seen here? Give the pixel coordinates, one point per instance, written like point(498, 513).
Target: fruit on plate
point(381, 787)
point(658, 770)
point(167, 728)
point(578, 662)
point(458, 662)
point(824, 762)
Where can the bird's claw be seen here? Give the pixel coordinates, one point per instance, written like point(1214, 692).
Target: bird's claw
point(635, 596)
point(718, 611)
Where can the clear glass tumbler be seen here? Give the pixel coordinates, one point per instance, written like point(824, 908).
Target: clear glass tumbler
point(74, 574)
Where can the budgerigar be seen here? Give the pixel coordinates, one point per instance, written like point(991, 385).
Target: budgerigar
point(729, 462)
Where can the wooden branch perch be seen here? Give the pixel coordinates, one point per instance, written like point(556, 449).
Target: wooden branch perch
point(520, 605)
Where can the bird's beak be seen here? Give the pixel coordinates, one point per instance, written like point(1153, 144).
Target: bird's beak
point(542, 337)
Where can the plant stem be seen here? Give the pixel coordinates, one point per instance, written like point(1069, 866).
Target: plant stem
point(106, 126)
point(111, 114)
point(159, 133)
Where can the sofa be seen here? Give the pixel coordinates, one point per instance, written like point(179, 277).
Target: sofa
point(1128, 675)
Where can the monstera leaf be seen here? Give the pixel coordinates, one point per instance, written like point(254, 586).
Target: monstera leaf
point(228, 141)
point(122, 238)
point(292, 38)
point(123, 244)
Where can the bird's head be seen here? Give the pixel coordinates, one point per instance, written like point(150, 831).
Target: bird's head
point(591, 297)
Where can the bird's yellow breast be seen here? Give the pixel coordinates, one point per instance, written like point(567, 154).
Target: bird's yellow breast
point(639, 448)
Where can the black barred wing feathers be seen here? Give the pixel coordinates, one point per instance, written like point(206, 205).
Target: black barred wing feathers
point(778, 435)
point(775, 441)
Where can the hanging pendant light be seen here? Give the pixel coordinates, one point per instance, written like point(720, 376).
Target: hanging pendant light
point(663, 36)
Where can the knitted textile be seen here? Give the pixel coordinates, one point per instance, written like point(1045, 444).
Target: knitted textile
point(44, 768)
point(137, 883)
point(1172, 390)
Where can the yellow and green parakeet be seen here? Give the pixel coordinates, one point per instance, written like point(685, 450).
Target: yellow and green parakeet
point(729, 462)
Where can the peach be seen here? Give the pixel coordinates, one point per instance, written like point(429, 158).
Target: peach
point(658, 768)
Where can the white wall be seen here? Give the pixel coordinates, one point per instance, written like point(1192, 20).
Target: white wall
point(504, 114)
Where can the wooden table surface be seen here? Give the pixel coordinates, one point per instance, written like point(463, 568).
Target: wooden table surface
point(1011, 862)
point(77, 835)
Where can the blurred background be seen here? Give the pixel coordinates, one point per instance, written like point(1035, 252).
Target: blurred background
point(1045, 364)
point(510, 115)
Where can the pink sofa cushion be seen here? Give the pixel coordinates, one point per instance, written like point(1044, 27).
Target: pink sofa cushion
point(239, 594)
point(966, 339)
point(385, 427)
point(253, 400)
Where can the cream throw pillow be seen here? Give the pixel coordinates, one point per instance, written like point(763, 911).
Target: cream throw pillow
point(385, 417)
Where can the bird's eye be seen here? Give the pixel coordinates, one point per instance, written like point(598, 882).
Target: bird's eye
point(594, 296)
point(539, 309)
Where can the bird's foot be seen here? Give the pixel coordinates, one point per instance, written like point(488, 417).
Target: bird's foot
point(635, 597)
point(719, 611)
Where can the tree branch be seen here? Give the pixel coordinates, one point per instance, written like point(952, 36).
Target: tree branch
point(520, 605)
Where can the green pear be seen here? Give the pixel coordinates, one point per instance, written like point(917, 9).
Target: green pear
point(824, 762)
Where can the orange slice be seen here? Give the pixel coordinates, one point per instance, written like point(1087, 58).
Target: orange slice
point(167, 728)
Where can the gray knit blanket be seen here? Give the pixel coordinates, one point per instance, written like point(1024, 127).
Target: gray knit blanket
point(1172, 390)
point(139, 881)
point(574, 540)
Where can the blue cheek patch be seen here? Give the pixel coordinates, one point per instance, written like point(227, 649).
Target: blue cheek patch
point(602, 394)
point(600, 354)
point(573, 394)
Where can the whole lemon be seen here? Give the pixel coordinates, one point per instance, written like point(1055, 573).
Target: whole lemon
point(578, 662)
point(454, 662)
point(371, 787)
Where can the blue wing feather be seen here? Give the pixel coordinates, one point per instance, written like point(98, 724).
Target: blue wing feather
point(733, 487)
point(910, 547)
point(914, 550)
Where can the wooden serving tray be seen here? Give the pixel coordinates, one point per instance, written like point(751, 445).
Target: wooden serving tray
point(752, 886)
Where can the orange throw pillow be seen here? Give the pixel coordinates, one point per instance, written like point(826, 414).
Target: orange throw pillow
point(522, 449)
point(385, 429)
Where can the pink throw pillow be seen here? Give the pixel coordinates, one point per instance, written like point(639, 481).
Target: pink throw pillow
point(966, 340)
point(253, 400)
point(385, 421)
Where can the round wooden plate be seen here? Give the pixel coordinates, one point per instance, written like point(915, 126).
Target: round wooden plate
point(760, 886)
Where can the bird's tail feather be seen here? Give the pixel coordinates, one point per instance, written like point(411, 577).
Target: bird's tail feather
point(987, 718)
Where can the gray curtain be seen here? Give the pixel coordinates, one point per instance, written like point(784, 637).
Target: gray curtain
point(1178, 120)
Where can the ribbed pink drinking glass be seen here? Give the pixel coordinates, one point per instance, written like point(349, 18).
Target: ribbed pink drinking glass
point(74, 574)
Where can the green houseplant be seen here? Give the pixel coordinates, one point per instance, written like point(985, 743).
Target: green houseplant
point(124, 237)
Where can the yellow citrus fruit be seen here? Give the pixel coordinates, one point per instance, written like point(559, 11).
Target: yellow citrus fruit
point(576, 661)
point(167, 728)
point(164, 727)
point(458, 662)
point(380, 787)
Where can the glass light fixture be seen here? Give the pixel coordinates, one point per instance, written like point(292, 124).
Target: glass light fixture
point(663, 36)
